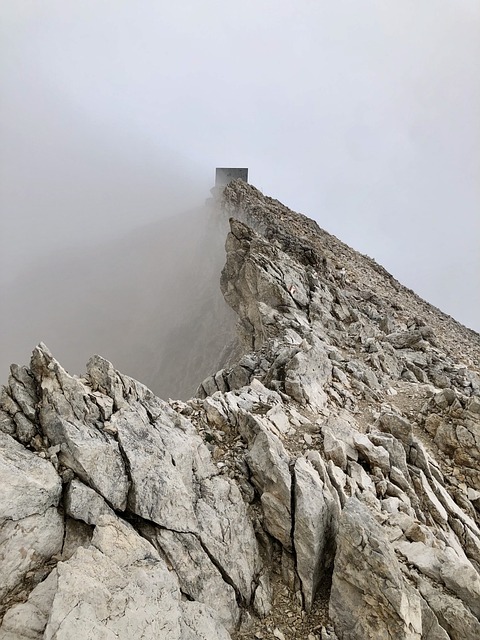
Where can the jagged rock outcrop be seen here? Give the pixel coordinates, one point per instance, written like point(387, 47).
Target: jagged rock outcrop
point(324, 484)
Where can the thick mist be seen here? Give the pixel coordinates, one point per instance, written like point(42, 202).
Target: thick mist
point(114, 115)
point(149, 301)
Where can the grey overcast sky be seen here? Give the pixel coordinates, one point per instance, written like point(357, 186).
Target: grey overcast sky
point(364, 115)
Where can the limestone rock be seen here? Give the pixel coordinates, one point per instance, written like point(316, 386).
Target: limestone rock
point(459, 622)
point(445, 566)
point(313, 532)
point(31, 529)
point(28, 484)
point(227, 534)
point(269, 464)
point(339, 434)
point(370, 598)
point(26, 545)
point(306, 375)
point(83, 503)
point(27, 621)
point(119, 587)
point(70, 418)
point(165, 497)
point(397, 426)
point(198, 576)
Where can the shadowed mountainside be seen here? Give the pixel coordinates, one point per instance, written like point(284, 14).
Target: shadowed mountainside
point(150, 302)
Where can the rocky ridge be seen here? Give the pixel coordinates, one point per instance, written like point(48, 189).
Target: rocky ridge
point(323, 484)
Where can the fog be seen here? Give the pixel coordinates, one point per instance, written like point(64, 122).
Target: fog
point(149, 301)
point(113, 116)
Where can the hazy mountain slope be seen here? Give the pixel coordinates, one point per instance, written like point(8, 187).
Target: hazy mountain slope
point(150, 302)
point(302, 236)
point(324, 484)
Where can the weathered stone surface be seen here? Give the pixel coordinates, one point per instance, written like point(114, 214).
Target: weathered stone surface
point(198, 576)
point(23, 390)
point(445, 566)
point(28, 484)
point(431, 628)
point(27, 621)
point(262, 602)
point(458, 621)
point(397, 426)
point(160, 459)
point(269, 464)
point(120, 588)
point(31, 529)
point(71, 419)
point(313, 532)
point(370, 598)
point(26, 545)
point(77, 534)
point(306, 374)
point(195, 519)
point(376, 456)
point(83, 503)
point(334, 449)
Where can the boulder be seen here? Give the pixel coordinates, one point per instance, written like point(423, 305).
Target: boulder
point(370, 597)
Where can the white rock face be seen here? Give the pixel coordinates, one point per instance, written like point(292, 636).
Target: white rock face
point(269, 462)
point(27, 545)
point(306, 375)
point(83, 503)
point(29, 619)
point(119, 587)
point(165, 498)
point(28, 484)
point(323, 484)
point(70, 418)
point(314, 510)
point(382, 605)
point(31, 529)
point(198, 577)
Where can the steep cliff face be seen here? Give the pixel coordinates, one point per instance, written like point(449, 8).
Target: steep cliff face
point(326, 483)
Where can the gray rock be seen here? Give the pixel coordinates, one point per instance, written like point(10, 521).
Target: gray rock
point(23, 391)
point(31, 529)
point(83, 503)
point(376, 456)
point(27, 621)
point(313, 532)
point(227, 534)
point(445, 566)
point(25, 428)
point(262, 602)
point(7, 423)
point(334, 449)
point(370, 598)
point(269, 464)
point(160, 460)
point(26, 545)
point(431, 629)
point(306, 374)
point(120, 587)
point(444, 398)
point(399, 427)
point(71, 418)
point(198, 577)
point(458, 621)
point(28, 484)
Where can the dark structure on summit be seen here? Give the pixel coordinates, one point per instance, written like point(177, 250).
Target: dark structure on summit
point(225, 175)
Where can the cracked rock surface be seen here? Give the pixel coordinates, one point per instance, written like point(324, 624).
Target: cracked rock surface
point(325, 484)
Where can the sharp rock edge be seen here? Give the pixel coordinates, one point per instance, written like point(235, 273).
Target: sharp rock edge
point(324, 484)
